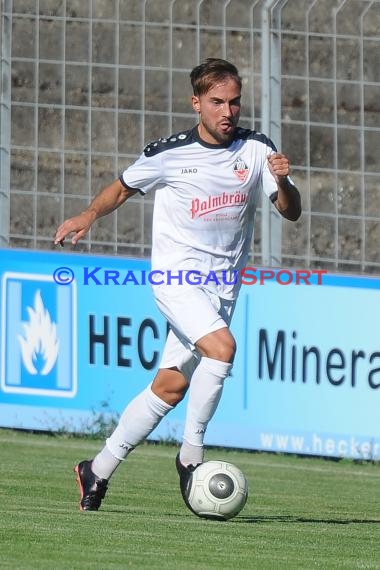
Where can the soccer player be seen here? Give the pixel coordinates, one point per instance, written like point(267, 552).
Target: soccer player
point(209, 180)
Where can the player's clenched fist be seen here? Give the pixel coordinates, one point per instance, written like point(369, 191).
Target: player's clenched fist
point(278, 165)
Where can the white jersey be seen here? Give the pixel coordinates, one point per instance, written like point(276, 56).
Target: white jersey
point(205, 203)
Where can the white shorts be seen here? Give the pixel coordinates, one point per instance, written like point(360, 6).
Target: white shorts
point(192, 313)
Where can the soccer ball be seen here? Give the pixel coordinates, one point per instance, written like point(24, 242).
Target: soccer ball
point(217, 490)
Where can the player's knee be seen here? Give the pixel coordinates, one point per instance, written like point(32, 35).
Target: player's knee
point(225, 352)
point(219, 346)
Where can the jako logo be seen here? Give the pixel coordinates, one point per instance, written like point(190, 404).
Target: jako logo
point(38, 336)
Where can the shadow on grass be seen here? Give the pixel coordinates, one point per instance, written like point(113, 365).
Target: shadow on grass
point(294, 519)
point(242, 519)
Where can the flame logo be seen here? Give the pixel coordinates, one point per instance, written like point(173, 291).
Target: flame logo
point(39, 346)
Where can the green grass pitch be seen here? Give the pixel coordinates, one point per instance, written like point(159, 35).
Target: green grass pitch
point(302, 513)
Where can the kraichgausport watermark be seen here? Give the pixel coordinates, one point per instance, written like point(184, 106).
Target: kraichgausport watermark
point(249, 275)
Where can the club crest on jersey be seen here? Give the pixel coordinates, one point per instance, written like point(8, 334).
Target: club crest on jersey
point(240, 169)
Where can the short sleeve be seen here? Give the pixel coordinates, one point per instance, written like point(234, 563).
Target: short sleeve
point(269, 182)
point(144, 174)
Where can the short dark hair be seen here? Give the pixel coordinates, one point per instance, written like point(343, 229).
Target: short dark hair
point(205, 75)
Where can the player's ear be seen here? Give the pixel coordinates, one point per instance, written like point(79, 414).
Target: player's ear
point(196, 104)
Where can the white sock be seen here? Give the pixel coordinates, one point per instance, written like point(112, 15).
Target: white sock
point(205, 391)
point(137, 421)
point(104, 464)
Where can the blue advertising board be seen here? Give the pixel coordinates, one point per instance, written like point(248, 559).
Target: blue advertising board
point(81, 335)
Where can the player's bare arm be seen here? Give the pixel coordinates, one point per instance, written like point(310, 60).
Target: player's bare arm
point(108, 199)
point(288, 200)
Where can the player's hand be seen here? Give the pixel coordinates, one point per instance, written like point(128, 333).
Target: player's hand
point(279, 166)
point(78, 225)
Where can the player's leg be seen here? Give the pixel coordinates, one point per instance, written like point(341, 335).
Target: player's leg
point(206, 388)
point(137, 421)
point(140, 418)
point(200, 320)
point(146, 410)
point(217, 349)
point(204, 319)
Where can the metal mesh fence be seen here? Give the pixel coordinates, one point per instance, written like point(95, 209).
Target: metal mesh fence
point(331, 124)
point(90, 82)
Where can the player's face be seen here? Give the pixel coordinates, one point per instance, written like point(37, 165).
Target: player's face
point(219, 112)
